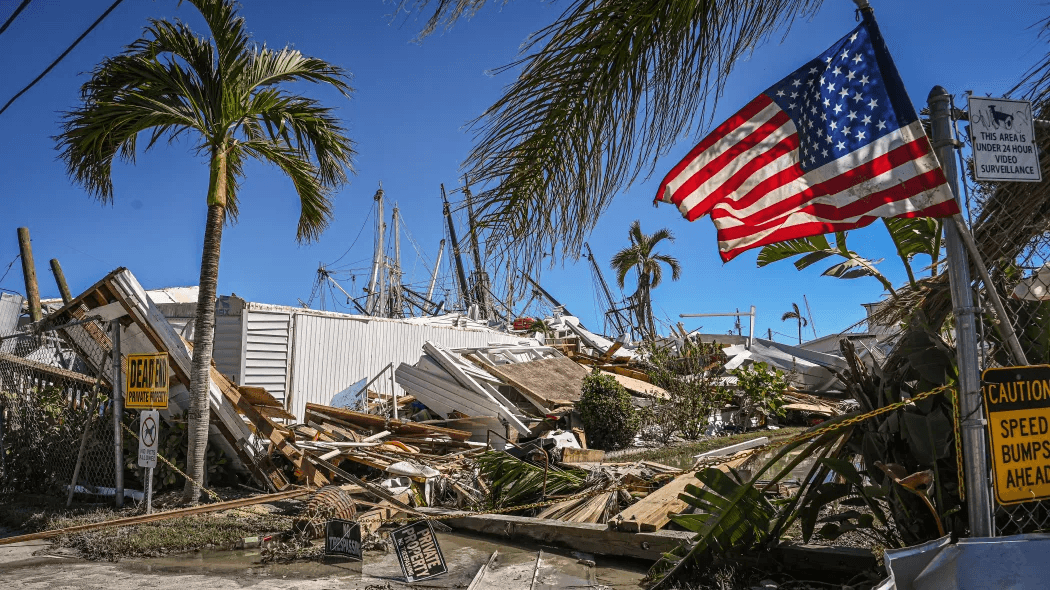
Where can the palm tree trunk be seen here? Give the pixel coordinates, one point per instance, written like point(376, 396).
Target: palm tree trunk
point(204, 331)
point(800, 329)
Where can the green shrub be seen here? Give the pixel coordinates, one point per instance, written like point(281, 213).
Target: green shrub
point(762, 388)
point(609, 418)
point(691, 379)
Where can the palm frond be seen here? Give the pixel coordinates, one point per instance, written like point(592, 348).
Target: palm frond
point(445, 13)
point(602, 94)
point(813, 245)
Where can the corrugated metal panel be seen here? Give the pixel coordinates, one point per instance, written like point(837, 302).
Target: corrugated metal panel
point(267, 336)
point(332, 351)
point(10, 309)
point(227, 340)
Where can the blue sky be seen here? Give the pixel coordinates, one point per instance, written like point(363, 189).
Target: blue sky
point(408, 117)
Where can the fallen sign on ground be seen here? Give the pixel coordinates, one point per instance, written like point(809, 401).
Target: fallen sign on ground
point(1017, 405)
point(418, 551)
point(343, 538)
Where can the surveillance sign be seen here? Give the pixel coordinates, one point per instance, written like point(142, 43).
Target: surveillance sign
point(149, 431)
point(1003, 134)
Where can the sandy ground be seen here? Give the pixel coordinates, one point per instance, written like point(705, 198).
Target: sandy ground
point(33, 565)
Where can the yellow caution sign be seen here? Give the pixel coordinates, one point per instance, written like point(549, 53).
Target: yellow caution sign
point(1017, 404)
point(147, 385)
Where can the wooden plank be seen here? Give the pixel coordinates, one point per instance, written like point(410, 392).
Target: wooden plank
point(378, 423)
point(269, 430)
point(158, 516)
point(549, 380)
point(570, 455)
point(587, 537)
point(652, 512)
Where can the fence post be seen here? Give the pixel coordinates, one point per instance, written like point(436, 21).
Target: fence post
point(117, 405)
point(975, 458)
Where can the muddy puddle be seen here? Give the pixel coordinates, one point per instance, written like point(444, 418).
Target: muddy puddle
point(515, 567)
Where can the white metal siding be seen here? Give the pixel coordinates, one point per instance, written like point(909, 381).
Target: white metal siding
point(10, 310)
point(331, 352)
point(267, 337)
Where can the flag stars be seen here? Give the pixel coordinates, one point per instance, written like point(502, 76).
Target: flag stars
point(844, 93)
point(866, 120)
point(780, 93)
point(838, 109)
point(833, 126)
point(851, 75)
point(845, 131)
point(837, 71)
point(824, 153)
point(852, 115)
point(840, 146)
point(829, 138)
point(857, 97)
point(827, 102)
point(845, 54)
point(852, 37)
point(857, 59)
point(873, 103)
point(796, 83)
point(864, 81)
point(861, 134)
point(831, 86)
point(794, 95)
point(881, 125)
point(822, 80)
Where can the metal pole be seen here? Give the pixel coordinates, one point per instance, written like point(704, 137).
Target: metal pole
point(751, 328)
point(395, 274)
point(117, 405)
point(975, 459)
point(437, 267)
point(149, 490)
point(25, 248)
point(393, 390)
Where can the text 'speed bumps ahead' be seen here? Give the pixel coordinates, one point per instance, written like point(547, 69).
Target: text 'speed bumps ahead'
point(1017, 405)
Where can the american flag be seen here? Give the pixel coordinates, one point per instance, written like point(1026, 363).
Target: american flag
point(831, 147)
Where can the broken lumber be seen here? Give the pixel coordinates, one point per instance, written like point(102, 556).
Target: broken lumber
point(652, 512)
point(587, 537)
point(380, 423)
point(158, 516)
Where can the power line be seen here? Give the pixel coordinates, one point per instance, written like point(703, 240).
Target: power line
point(14, 15)
point(17, 256)
point(61, 57)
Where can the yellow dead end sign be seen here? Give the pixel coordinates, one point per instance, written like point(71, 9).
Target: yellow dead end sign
point(1017, 404)
point(147, 385)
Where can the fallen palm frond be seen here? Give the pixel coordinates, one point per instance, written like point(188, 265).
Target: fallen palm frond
point(516, 482)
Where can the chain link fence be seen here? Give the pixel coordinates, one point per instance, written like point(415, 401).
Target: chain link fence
point(52, 404)
point(1010, 223)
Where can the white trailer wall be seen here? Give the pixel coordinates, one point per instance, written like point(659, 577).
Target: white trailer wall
point(333, 351)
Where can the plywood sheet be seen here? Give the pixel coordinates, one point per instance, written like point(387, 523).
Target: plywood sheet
point(550, 380)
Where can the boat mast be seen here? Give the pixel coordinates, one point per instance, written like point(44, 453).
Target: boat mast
point(370, 303)
point(463, 289)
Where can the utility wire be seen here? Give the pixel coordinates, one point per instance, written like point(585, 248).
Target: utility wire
point(17, 256)
point(61, 57)
point(14, 15)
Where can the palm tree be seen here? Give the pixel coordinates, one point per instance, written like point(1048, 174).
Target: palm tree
point(227, 94)
point(795, 314)
point(641, 257)
point(600, 95)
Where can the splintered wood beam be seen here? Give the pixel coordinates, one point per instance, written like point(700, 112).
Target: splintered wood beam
point(269, 430)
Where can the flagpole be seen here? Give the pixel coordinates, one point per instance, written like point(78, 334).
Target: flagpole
point(975, 458)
